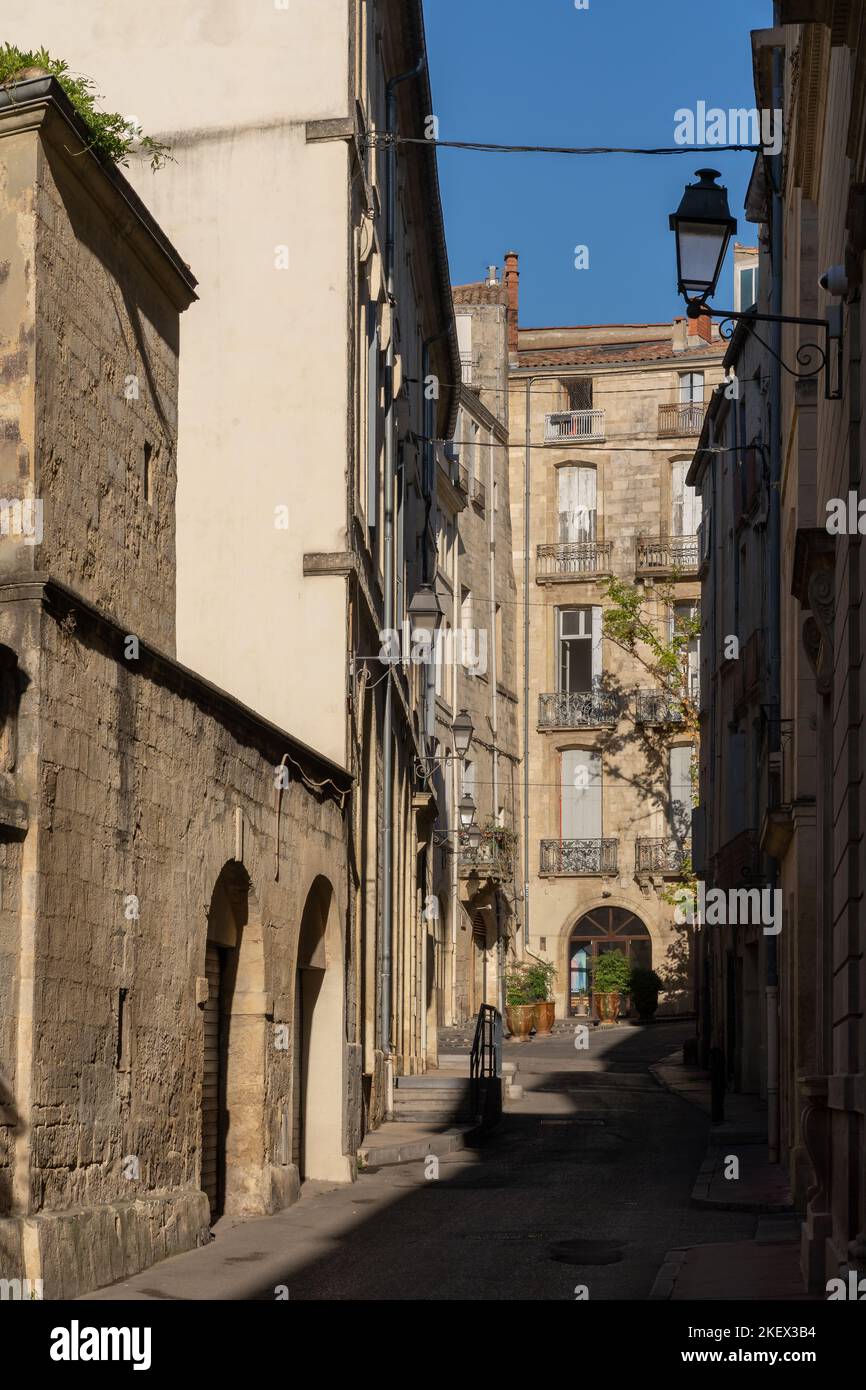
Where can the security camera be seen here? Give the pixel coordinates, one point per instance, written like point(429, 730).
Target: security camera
point(834, 280)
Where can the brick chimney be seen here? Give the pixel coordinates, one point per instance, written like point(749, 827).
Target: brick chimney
point(701, 327)
point(512, 280)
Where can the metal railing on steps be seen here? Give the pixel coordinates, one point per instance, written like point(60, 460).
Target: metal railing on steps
point(485, 1067)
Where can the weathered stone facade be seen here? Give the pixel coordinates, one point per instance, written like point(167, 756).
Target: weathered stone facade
point(610, 410)
point(142, 817)
point(477, 886)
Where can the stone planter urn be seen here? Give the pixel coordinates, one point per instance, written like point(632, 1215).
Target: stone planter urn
point(520, 1019)
point(607, 1007)
point(544, 1016)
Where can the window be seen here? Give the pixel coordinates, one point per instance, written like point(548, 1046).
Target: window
point(468, 778)
point(473, 462)
point(580, 796)
point(578, 649)
point(577, 504)
point(372, 415)
point(691, 388)
point(687, 613)
point(464, 344)
point(497, 628)
point(578, 390)
point(495, 495)
point(685, 502)
point(441, 650)
point(745, 287)
point(680, 768)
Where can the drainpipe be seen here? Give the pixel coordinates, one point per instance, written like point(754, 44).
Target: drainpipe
point(526, 541)
point(773, 603)
point(385, 1011)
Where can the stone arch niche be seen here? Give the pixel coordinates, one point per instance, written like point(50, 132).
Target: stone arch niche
point(319, 1041)
point(235, 1048)
point(595, 932)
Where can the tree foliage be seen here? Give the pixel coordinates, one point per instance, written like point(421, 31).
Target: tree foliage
point(112, 136)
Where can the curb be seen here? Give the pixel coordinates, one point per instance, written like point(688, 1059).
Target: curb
point(387, 1155)
point(667, 1276)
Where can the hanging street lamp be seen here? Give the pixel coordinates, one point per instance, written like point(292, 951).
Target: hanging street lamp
point(703, 227)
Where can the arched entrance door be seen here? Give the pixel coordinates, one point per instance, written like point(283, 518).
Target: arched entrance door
point(604, 929)
point(233, 1051)
point(319, 1042)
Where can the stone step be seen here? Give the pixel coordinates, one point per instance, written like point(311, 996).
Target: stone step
point(432, 1080)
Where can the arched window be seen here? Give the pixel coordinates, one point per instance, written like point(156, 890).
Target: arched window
point(604, 929)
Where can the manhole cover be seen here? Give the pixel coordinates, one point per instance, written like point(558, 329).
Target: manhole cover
point(586, 1252)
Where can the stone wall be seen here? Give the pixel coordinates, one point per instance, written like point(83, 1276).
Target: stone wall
point(141, 785)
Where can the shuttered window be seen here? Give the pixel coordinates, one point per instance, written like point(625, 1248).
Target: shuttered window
point(580, 802)
point(685, 502)
point(681, 791)
point(577, 504)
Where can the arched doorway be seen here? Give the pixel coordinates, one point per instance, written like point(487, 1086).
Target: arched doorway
point(233, 1051)
point(319, 1042)
point(604, 929)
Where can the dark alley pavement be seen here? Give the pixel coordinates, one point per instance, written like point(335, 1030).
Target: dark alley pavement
point(587, 1182)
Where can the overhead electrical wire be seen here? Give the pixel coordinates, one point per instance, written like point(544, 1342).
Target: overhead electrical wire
point(377, 138)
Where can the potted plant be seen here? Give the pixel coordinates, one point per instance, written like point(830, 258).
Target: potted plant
point(644, 990)
point(539, 977)
point(519, 1005)
point(611, 975)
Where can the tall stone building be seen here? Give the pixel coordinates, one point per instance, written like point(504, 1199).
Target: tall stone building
point(174, 865)
point(801, 778)
point(601, 421)
point(306, 463)
point(477, 870)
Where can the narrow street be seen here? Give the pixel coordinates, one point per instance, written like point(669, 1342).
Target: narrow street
point(596, 1153)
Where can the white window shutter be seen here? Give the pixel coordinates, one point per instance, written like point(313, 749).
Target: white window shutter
point(681, 790)
point(678, 483)
point(581, 795)
point(596, 645)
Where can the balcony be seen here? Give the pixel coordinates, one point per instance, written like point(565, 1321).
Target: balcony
point(576, 426)
point(680, 419)
point(574, 560)
point(462, 478)
point(585, 710)
point(489, 859)
point(661, 856)
point(657, 707)
point(560, 858)
point(666, 555)
point(479, 494)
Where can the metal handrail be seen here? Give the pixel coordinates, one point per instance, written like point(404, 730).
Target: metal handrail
point(485, 1066)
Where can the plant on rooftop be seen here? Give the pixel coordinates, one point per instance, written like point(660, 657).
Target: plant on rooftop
point(112, 136)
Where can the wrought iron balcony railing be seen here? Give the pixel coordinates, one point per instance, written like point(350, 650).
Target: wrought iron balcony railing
point(681, 418)
point(561, 857)
point(663, 554)
point(573, 558)
point(490, 858)
point(583, 426)
point(661, 856)
point(586, 709)
point(479, 493)
point(657, 707)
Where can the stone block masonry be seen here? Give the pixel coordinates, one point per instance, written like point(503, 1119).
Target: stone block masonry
point(170, 782)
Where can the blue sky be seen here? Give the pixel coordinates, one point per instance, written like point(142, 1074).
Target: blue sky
point(541, 72)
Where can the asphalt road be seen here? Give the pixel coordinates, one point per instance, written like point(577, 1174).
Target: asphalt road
point(586, 1183)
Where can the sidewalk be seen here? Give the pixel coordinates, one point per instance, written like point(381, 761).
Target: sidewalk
point(744, 1270)
point(767, 1267)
